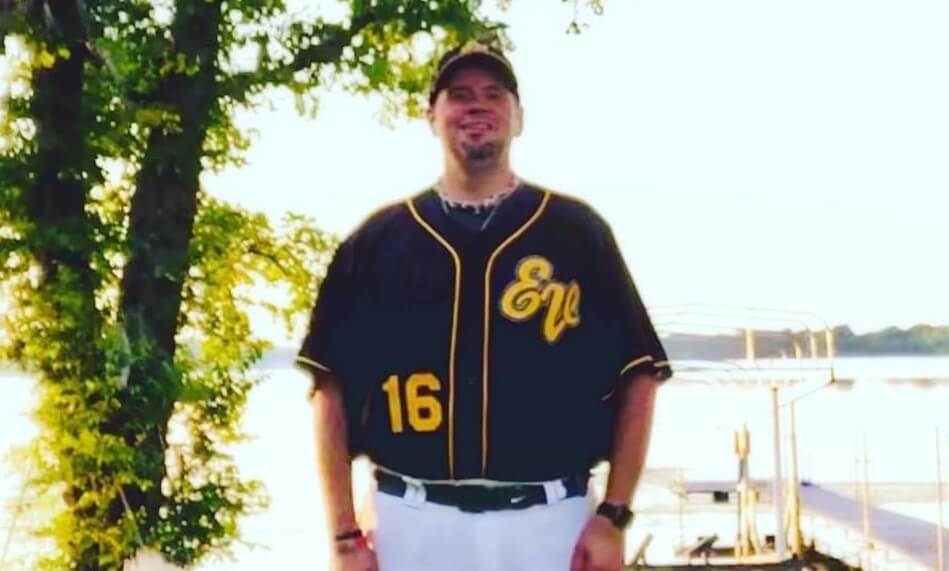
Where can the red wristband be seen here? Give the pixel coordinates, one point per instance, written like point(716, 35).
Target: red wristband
point(351, 534)
point(350, 541)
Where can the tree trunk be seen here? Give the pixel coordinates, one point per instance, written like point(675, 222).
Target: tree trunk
point(160, 229)
point(56, 202)
point(62, 231)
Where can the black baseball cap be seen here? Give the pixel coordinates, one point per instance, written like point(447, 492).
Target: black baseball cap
point(473, 54)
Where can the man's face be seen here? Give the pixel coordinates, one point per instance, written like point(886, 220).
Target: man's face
point(476, 117)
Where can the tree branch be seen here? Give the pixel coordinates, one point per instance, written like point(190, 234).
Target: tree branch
point(327, 48)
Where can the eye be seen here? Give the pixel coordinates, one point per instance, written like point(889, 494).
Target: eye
point(460, 94)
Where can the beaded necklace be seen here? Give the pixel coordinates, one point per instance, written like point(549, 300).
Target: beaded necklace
point(476, 214)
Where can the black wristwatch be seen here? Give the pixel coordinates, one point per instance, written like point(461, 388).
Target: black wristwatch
point(620, 516)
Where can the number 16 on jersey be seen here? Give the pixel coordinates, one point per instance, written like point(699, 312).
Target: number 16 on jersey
point(422, 408)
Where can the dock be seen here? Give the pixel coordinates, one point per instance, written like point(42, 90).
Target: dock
point(899, 536)
point(912, 538)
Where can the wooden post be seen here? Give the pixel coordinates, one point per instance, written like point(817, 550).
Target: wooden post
point(681, 480)
point(797, 539)
point(747, 540)
point(867, 533)
point(940, 548)
point(780, 537)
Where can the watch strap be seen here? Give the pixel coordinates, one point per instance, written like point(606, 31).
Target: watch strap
point(619, 515)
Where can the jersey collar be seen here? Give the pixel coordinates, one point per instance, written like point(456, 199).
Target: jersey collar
point(511, 214)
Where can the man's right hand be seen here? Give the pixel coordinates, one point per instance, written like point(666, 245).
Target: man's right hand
point(354, 556)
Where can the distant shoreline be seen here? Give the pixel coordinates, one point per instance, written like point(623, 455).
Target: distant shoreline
point(917, 341)
point(283, 357)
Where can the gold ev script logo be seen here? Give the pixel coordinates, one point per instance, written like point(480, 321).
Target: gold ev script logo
point(534, 288)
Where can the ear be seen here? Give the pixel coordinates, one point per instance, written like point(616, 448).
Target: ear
point(430, 117)
point(518, 120)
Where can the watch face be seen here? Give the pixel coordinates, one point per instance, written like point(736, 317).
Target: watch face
point(619, 516)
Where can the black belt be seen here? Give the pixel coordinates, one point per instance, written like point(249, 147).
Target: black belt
point(475, 499)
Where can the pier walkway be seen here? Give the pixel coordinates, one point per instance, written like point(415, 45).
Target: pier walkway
point(912, 538)
point(900, 536)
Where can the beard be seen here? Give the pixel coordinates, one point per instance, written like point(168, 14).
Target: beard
point(481, 153)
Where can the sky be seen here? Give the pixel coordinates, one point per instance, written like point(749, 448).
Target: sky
point(776, 154)
point(787, 154)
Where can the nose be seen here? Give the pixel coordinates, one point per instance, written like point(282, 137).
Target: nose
point(476, 111)
point(479, 102)
point(478, 106)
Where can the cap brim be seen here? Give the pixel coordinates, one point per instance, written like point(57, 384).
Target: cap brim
point(483, 60)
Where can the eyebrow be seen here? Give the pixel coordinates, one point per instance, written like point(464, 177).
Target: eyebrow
point(489, 87)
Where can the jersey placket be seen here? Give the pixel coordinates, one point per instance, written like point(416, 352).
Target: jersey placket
point(469, 393)
point(490, 303)
point(469, 389)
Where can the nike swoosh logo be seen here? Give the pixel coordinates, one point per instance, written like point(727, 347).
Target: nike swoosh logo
point(518, 499)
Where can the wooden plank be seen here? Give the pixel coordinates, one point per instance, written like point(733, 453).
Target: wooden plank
point(913, 538)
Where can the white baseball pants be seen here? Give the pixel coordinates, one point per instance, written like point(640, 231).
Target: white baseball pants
point(415, 535)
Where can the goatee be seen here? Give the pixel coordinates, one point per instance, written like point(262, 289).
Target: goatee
point(482, 153)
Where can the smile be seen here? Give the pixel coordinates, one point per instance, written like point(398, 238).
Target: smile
point(477, 126)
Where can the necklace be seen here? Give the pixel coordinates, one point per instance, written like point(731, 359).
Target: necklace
point(477, 206)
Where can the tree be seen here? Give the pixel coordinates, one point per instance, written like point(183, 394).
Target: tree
point(129, 285)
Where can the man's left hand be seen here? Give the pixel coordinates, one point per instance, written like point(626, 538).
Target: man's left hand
point(600, 548)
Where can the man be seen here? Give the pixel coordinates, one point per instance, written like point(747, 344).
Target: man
point(484, 345)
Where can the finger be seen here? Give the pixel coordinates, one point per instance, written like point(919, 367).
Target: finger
point(575, 560)
point(612, 564)
point(579, 560)
point(596, 562)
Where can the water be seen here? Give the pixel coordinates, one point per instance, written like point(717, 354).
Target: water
point(895, 401)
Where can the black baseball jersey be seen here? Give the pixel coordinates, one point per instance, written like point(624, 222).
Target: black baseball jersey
point(482, 354)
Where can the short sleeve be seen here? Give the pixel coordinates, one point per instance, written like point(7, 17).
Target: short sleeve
point(641, 352)
point(323, 345)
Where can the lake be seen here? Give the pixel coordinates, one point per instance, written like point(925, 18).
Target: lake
point(892, 403)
